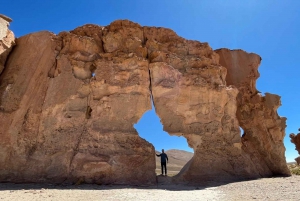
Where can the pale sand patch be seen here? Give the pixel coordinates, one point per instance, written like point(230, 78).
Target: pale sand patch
point(107, 193)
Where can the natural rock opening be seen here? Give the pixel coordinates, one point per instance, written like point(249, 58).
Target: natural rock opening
point(150, 128)
point(242, 132)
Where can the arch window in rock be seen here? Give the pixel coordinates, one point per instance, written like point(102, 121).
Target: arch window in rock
point(242, 132)
point(179, 153)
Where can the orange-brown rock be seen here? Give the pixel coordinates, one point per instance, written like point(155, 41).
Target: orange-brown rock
point(69, 101)
point(264, 130)
point(295, 139)
point(63, 124)
point(7, 40)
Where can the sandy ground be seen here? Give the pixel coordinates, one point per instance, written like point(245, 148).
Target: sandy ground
point(263, 189)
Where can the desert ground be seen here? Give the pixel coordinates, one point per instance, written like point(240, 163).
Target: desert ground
point(287, 188)
point(277, 188)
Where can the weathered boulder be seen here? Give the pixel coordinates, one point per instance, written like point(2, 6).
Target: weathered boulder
point(68, 103)
point(7, 40)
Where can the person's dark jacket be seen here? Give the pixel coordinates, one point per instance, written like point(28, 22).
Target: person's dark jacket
point(163, 157)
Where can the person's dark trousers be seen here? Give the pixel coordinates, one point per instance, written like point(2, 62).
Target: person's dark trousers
point(163, 165)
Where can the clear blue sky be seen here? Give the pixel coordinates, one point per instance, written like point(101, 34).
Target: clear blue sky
point(269, 28)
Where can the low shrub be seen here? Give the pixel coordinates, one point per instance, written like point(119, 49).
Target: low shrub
point(295, 169)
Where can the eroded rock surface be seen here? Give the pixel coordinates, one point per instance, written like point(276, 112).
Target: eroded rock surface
point(68, 111)
point(7, 40)
point(264, 129)
point(191, 98)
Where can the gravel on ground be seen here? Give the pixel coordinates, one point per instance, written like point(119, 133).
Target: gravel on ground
point(280, 188)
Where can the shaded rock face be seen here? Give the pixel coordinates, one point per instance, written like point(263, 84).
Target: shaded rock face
point(68, 111)
point(7, 40)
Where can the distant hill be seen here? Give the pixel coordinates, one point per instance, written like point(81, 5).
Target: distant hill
point(177, 159)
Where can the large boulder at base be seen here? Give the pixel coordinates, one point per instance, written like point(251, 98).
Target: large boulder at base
point(68, 103)
point(7, 40)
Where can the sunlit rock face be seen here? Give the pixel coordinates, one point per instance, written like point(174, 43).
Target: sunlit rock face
point(69, 101)
point(7, 40)
point(264, 130)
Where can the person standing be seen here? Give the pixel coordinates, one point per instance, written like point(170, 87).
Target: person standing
point(163, 161)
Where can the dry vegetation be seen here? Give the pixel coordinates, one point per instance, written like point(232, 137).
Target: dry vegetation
point(294, 168)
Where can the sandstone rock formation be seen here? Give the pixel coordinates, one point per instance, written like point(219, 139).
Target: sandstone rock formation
point(69, 101)
point(264, 130)
point(295, 139)
point(62, 123)
point(7, 40)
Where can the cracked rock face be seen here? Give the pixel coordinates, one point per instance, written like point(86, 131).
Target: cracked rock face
point(7, 40)
point(68, 111)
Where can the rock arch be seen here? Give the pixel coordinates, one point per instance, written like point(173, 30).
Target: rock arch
point(61, 124)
